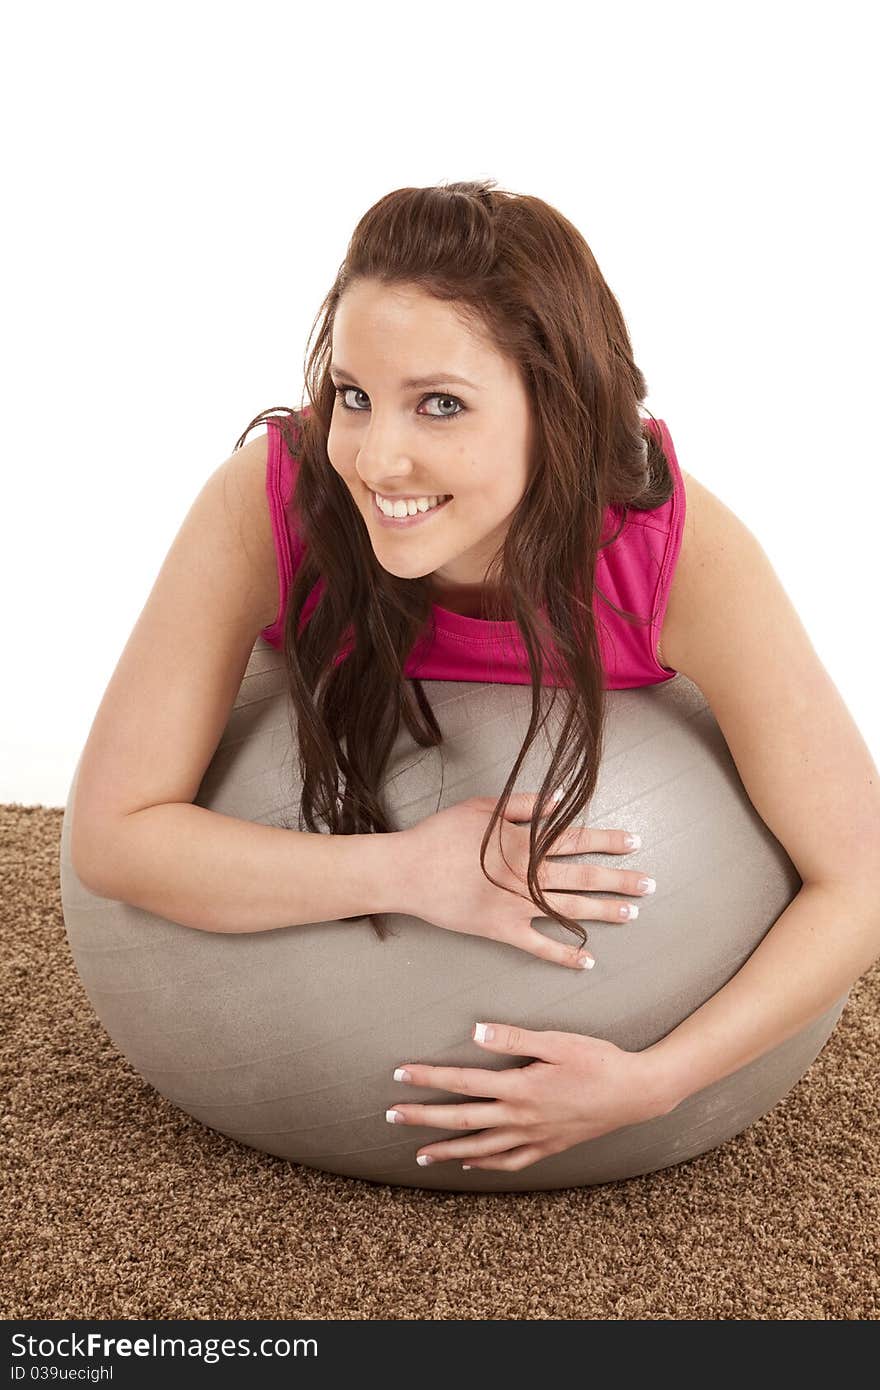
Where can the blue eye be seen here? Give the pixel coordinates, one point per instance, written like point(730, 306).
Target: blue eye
point(434, 396)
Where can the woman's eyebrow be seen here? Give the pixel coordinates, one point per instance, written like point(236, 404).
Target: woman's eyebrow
point(435, 379)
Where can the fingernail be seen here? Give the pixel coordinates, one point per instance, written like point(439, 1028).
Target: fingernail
point(557, 795)
point(424, 1160)
point(401, 1074)
point(483, 1033)
point(586, 962)
point(633, 841)
point(393, 1117)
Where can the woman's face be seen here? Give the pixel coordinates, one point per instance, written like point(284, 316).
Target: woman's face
point(466, 438)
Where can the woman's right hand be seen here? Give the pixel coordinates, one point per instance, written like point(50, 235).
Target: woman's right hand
point(445, 883)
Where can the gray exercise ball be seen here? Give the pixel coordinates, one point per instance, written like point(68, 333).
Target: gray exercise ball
point(286, 1040)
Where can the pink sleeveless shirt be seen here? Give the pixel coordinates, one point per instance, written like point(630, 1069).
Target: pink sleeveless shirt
point(634, 572)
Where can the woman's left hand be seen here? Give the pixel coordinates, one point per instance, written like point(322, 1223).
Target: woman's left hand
point(579, 1088)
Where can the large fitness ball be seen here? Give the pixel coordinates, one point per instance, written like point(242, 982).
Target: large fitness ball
point(286, 1040)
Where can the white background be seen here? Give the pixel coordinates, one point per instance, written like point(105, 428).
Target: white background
point(181, 181)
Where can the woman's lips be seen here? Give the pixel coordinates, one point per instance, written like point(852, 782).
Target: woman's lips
point(401, 523)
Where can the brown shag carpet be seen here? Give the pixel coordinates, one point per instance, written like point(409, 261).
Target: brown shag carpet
point(116, 1205)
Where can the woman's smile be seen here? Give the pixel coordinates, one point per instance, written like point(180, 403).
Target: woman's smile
point(405, 522)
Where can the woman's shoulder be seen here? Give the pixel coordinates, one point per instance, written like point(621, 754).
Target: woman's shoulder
point(246, 492)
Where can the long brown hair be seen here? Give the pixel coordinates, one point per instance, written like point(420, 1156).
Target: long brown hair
point(527, 275)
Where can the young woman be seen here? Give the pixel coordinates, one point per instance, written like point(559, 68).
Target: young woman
point(470, 478)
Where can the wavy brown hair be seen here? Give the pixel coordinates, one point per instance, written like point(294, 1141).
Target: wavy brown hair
point(517, 267)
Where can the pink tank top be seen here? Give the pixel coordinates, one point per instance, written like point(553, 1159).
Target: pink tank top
point(634, 572)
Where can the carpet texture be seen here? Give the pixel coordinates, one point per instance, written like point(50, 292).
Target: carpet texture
point(116, 1205)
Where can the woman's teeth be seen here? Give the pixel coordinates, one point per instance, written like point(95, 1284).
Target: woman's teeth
point(408, 506)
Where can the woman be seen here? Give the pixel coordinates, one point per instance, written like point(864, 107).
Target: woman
point(472, 368)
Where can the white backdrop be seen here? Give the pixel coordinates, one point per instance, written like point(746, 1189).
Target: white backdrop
point(181, 181)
